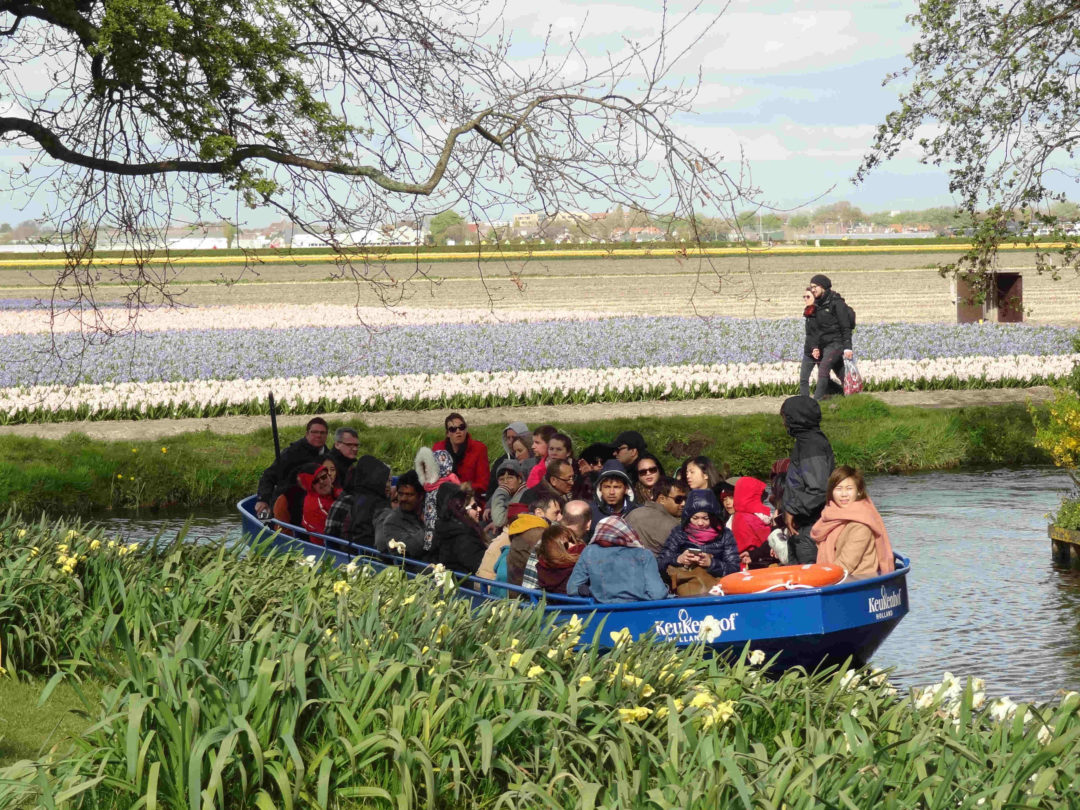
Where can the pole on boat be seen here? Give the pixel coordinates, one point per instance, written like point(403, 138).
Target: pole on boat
point(273, 427)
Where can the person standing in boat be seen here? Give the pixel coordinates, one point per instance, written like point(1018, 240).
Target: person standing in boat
point(280, 475)
point(470, 457)
point(807, 478)
point(850, 531)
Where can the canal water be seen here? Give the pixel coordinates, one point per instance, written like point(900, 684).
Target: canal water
point(986, 599)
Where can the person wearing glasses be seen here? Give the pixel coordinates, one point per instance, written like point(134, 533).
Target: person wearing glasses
point(345, 450)
point(811, 352)
point(648, 470)
point(657, 516)
point(321, 494)
point(281, 475)
point(459, 541)
point(470, 457)
point(558, 483)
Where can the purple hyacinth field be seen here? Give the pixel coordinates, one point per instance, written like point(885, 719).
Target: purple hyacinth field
point(548, 344)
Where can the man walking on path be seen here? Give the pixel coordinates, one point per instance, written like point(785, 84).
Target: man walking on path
point(806, 483)
point(831, 323)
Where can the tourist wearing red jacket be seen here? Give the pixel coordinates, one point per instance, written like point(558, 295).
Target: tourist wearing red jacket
point(470, 456)
point(750, 523)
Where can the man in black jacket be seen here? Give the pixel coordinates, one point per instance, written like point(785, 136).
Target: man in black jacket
point(344, 452)
point(831, 323)
point(806, 483)
point(279, 476)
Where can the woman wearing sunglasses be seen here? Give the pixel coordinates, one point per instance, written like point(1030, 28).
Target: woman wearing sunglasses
point(321, 494)
point(811, 352)
point(649, 470)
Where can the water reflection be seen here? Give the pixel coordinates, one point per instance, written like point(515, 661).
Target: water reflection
point(986, 599)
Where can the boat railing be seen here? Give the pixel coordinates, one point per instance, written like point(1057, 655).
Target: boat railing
point(468, 584)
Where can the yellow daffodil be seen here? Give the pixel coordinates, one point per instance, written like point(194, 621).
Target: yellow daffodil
point(408, 600)
point(164, 449)
point(34, 551)
point(584, 680)
point(514, 659)
point(702, 699)
point(621, 637)
point(20, 534)
point(134, 449)
point(342, 587)
point(95, 545)
point(634, 715)
point(535, 671)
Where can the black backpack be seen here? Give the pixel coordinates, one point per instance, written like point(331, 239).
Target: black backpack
point(850, 311)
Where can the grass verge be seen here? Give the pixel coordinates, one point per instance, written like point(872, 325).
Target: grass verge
point(77, 474)
point(238, 680)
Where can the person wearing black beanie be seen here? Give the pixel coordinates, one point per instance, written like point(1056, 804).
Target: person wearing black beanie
point(828, 320)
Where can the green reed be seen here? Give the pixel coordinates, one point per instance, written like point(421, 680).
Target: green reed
point(233, 679)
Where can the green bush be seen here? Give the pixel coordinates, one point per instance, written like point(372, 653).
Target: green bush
point(240, 680)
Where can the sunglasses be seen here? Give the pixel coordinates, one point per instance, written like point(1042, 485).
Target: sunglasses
point(679, 499)
point(455, 429)
point(648, 470)
point(807, 297)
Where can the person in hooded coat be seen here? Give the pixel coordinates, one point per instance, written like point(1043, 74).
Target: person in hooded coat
point(361, 504)
point(434, 468)
point(716, 542)
point(459, 539)
point(615, 567)
point(321, 494)
point(751, 523)
point(510, 432)
point(613, 501)
point(807, 478)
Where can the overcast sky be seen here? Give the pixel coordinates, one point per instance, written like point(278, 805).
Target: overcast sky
point(796, 85)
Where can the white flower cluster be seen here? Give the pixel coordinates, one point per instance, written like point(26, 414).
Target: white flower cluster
point(198, 397)
point(282, 316)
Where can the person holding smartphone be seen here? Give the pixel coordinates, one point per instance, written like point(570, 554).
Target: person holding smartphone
point(701, 540)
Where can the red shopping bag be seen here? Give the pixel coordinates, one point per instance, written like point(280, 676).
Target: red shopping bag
point(853, 382)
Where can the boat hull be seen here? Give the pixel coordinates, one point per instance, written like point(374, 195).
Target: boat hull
point(809, 628)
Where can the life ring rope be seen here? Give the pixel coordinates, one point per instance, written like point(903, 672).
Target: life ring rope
point(780, 578)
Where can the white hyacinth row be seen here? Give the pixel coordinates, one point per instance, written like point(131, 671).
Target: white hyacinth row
point(476, 389)
point(277, 316)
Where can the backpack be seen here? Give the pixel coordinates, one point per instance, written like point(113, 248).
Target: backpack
point(850, 313)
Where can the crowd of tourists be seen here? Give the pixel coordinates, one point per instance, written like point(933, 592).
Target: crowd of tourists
point(607, 521)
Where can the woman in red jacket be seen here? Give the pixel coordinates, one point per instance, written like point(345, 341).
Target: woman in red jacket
point(470, 456)
point(750, 523)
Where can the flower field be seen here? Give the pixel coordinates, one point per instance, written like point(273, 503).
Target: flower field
point(187, 363)
point(208, 676)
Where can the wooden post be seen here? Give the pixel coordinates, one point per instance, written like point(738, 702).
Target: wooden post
point(1065, 546)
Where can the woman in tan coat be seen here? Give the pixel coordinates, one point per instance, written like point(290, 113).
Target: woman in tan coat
point(850, 532)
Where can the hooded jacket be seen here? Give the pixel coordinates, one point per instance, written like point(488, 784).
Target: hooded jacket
point(472, 466)
point(353, 515)
point(459, 546)
point(316, 506)
point(280, 475)
point(725, 557)
point(812, 460)
point(750, 523)
point(831, 321)
point(600, 510)
point(508, 452)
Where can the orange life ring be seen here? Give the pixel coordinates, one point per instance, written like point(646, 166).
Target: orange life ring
point(782, 577)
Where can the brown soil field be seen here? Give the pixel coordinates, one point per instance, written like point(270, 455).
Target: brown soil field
point(882, 287)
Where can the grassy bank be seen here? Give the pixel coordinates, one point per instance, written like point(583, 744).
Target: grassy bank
point(77, 474)
point(221, 679)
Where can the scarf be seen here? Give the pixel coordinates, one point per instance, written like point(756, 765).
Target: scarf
point(700, 537)
point(614, 531)
point(809, 311)
point(835, 518)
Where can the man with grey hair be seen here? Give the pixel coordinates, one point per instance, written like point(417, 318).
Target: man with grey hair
point(344, 452)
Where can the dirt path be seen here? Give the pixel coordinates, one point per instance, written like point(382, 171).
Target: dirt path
point(532, 415)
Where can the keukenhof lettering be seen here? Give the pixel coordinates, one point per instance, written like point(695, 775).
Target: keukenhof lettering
point(688, 628)
point(890, 598)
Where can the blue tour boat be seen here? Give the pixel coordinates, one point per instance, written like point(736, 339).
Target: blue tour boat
point(806, 627)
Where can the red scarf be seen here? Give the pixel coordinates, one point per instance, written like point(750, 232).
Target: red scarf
point(835, 518)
